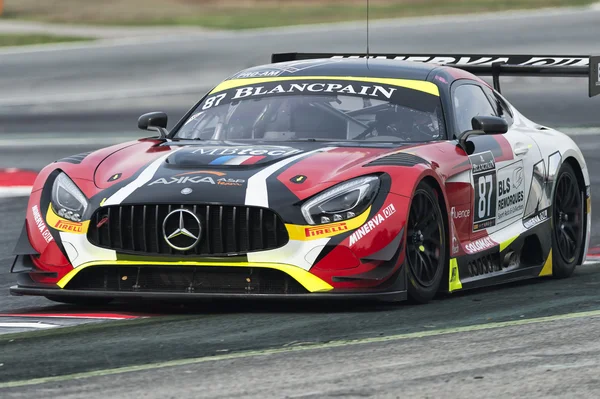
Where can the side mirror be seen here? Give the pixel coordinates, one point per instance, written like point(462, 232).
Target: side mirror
point(482, 125)
point(156, 121)
point(490, 124)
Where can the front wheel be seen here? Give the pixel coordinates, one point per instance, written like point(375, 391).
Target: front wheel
point(567, 223)
point(425, 245)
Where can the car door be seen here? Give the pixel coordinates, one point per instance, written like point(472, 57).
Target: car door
point(501, 165)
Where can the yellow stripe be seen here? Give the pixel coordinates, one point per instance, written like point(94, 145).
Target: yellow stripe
point(308, 280)
point(547, 269)
point(58, 223)
point(589, 205)
point(454, 279)
point(314, 232)
point(505, 244)
point(419, 85)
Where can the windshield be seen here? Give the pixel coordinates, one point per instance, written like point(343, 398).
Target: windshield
point(338, 109)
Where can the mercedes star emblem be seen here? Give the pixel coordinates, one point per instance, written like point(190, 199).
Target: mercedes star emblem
point(182, 229)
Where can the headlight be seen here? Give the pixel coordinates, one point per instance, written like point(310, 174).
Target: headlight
point(341, 202)
point(67, 200)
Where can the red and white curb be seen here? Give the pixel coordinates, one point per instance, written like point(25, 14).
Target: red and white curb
point(16, 182)
point(24, 322)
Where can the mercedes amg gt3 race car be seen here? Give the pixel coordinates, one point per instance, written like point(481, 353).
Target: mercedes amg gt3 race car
point(320, 176)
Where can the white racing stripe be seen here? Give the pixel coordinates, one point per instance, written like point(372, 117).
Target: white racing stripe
point(256, 190)
point(17, 191)
point(39, 326)
point(118, 197)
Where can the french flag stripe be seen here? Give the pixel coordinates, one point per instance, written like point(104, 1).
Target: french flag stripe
point(222, 160)
point(253, 160)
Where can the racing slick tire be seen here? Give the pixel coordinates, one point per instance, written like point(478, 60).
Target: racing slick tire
point(425, 245)
point(81, 301)
point(567, 222)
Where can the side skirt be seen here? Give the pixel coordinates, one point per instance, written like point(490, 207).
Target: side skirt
point(526, 256)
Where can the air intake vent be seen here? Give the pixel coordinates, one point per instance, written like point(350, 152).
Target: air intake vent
point(222, 279)
point(75, 159)
point(398, 159)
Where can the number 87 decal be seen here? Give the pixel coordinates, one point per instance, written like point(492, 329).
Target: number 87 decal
point(486, 186)
point(484, 190)
point(485, 200)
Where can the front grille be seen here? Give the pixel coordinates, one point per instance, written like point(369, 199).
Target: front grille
point(226, 230)
point(223, 279)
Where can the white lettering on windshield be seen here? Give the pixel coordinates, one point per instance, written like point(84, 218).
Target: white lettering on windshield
point(287, 88)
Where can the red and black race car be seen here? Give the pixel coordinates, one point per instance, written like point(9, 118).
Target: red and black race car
point(319, 176)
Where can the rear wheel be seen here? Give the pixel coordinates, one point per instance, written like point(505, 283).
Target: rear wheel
point(425, 245)
point(82, 301)
point(567, 223)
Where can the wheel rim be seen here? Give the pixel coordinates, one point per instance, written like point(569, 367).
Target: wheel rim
point(424, 239)
point(567, 217)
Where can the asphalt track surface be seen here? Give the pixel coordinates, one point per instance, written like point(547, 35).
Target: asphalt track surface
point(531, 339)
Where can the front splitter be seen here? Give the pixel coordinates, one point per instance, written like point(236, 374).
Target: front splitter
point(392, 296)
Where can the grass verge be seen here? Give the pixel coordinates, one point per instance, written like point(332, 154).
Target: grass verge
point(7, 40)
point(246, 14)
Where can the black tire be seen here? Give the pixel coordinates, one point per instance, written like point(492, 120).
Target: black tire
point(81, 301)
point(425, 245)
point(567, 222)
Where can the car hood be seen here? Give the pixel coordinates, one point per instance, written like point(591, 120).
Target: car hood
point(229, 173)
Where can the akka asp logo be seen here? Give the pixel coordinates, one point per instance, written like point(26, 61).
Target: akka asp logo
point(217, 178)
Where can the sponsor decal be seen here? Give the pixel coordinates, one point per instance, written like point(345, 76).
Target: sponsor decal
point(537, 219)
point(114, 177)
point(258, 74)
point(365, 89)
point(186, 191)
point(485, 60)
point(455, 246)
point(69, 227)
point(325, 230)
point(290, 88)
point(460, 214)
point(39, 222)
point(510, 192)
point(288, 67)
point(480, 245)
point(187, 179)
point(517, 180)
point(375, 221)
point(482, 162)
point(483, 168)
point(298, 179)
point(193, 118)
point(252, 151)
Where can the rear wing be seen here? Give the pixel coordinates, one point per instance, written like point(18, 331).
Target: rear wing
point(488, 65)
